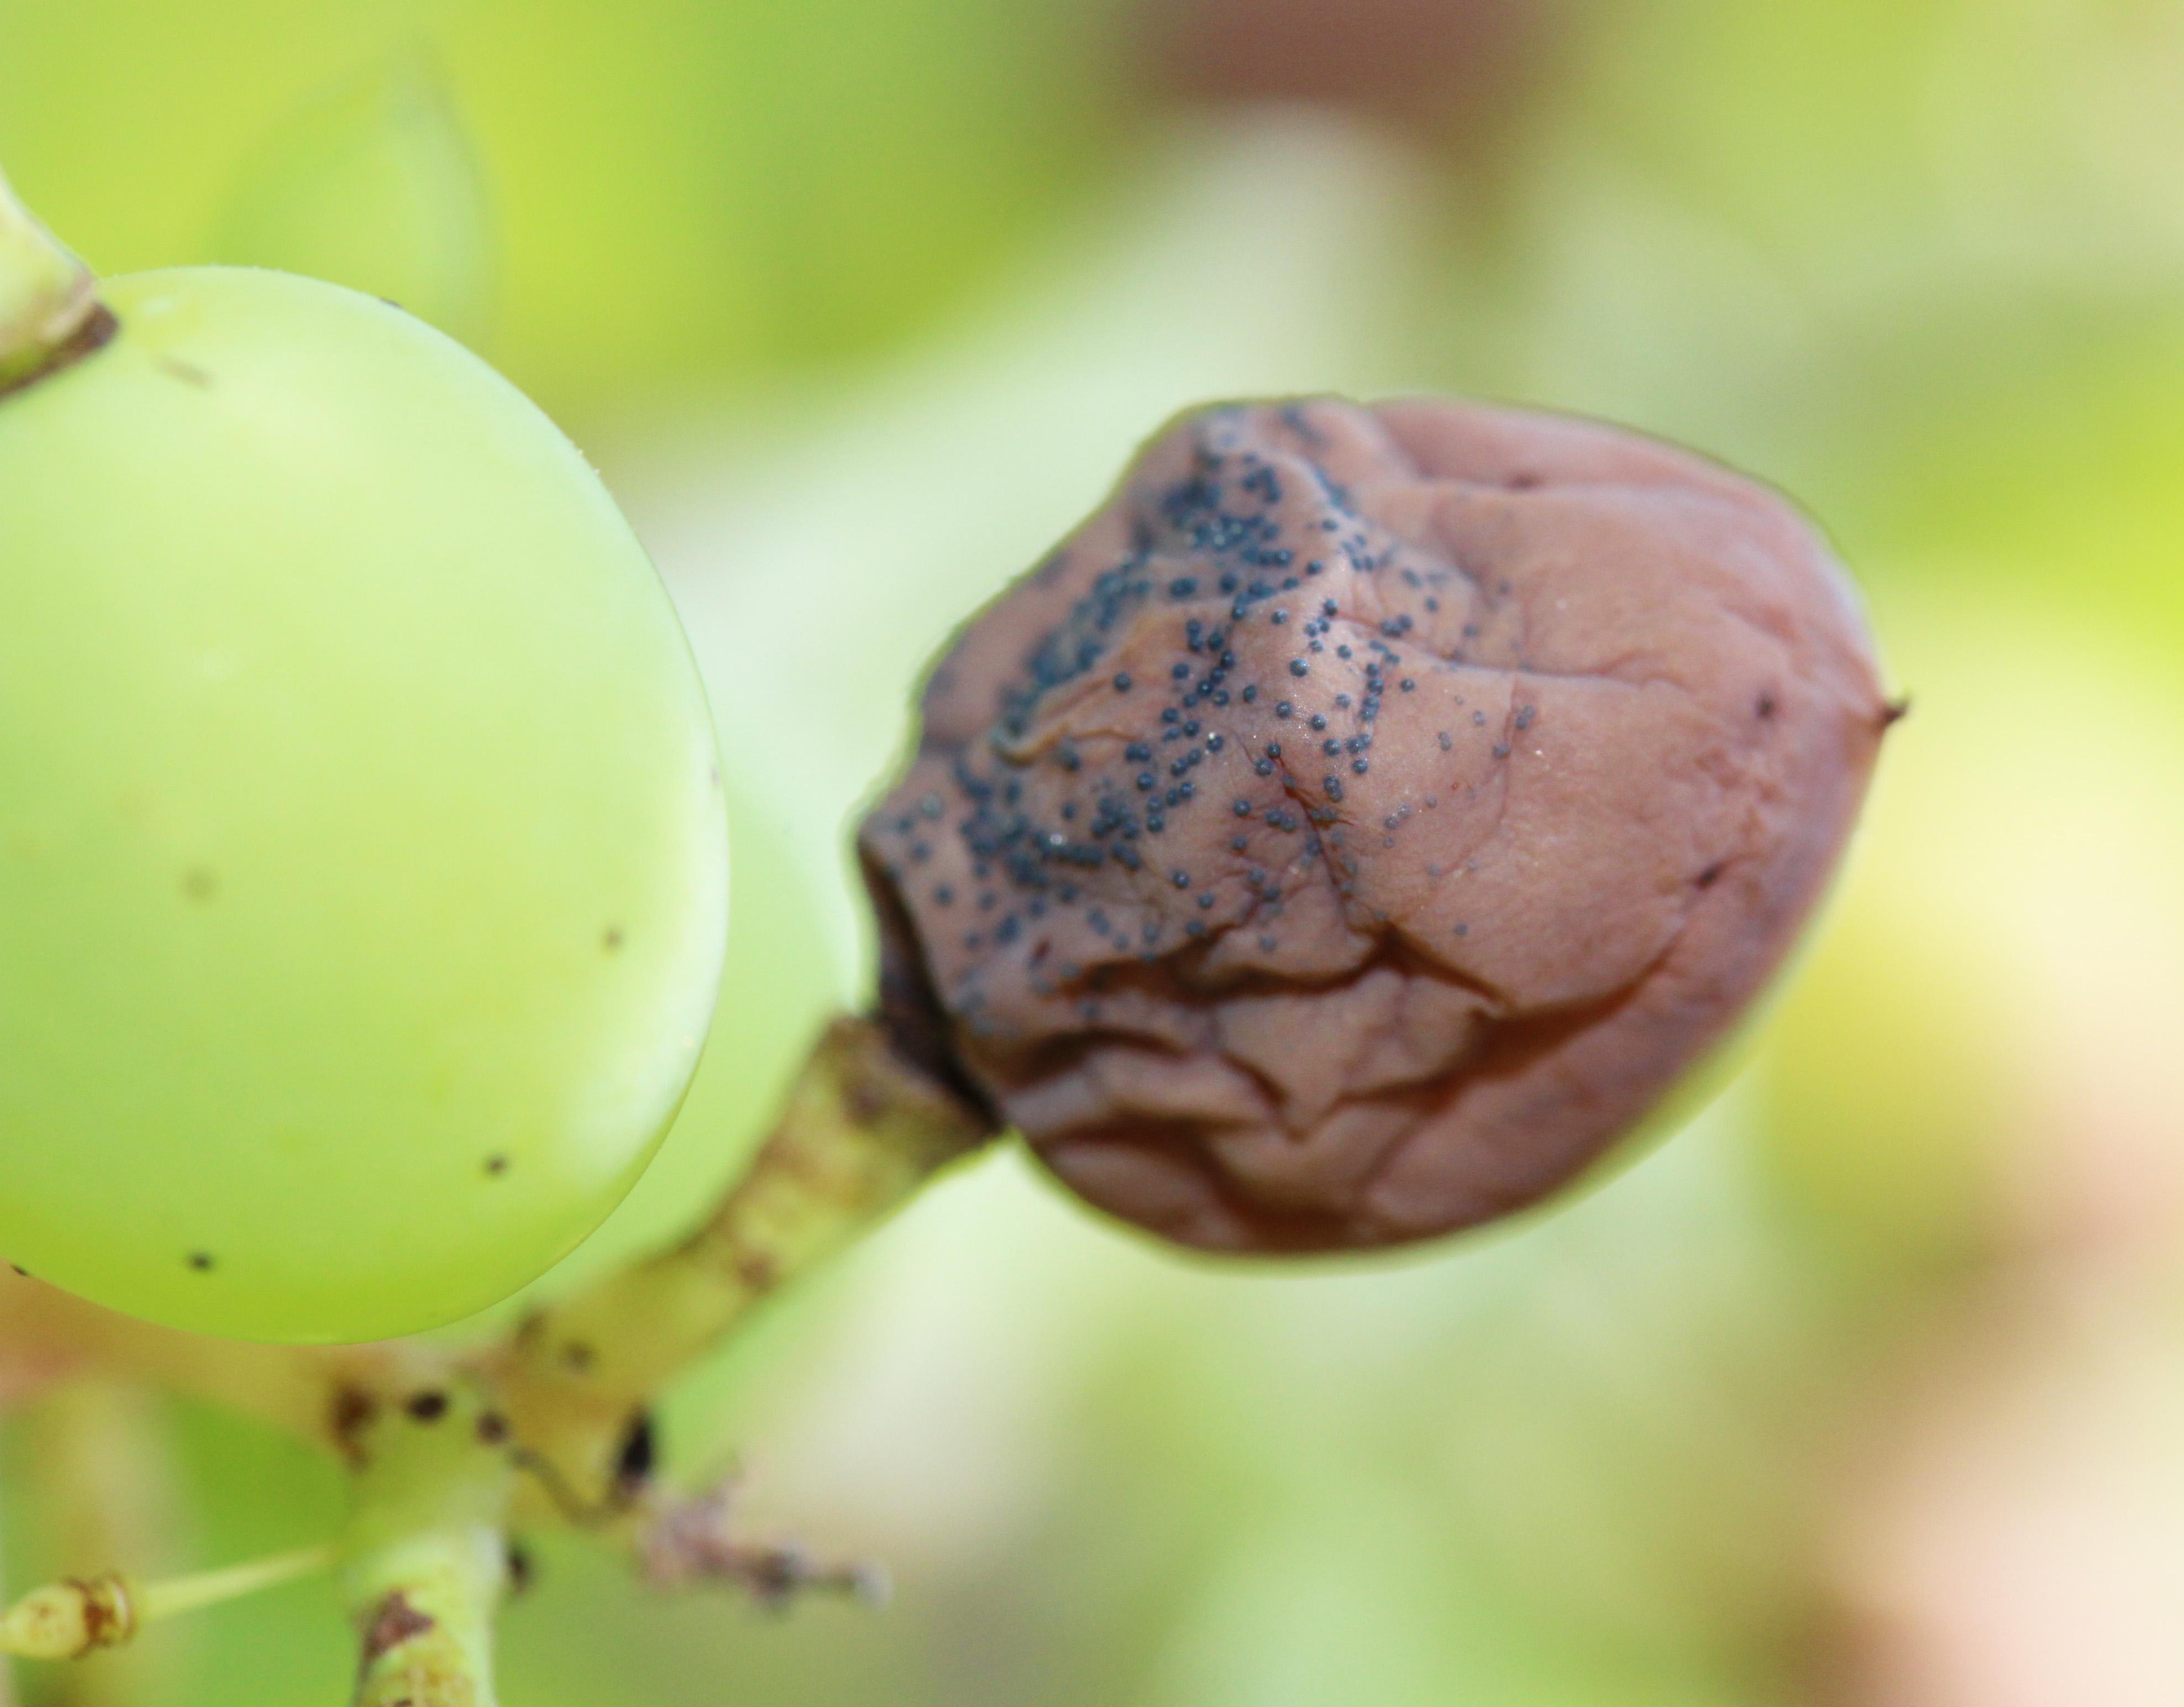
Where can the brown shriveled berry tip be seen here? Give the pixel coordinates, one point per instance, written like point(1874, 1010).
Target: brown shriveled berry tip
point(1366, 816)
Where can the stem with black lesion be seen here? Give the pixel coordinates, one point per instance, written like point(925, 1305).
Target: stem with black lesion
point(425, 1559)
point(862, 1130)
point(438, 1440)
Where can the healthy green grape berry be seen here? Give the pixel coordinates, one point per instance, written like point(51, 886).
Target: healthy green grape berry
point(362, 862)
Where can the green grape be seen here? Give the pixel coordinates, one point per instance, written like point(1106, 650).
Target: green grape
point(363, 859)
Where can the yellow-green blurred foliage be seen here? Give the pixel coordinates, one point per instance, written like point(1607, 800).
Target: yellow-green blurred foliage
point(861, 303)
point(681, 194)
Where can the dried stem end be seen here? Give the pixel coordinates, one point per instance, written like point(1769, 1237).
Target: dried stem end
point(48, 297)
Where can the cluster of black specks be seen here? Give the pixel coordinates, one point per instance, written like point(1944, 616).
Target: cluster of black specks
point(1077, 645)
point(1220, 515)
point(1215, 548)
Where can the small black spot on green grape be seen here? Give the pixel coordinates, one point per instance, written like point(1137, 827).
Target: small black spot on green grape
point(427, 1407)
point(200, 882)
point(201, 1261)
point(496, 1164)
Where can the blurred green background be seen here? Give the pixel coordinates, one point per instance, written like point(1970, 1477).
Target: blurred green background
point(1869, 1387)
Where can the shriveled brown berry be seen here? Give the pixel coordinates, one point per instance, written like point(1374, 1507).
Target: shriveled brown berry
point(1366, 816)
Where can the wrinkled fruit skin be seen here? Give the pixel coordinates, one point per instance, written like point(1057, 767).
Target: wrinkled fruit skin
point(363, 860)
point(1368, 814)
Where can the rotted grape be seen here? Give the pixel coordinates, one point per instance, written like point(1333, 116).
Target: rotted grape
point(1369, 816)
point(363, 860)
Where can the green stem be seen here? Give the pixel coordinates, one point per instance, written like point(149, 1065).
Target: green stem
point(46, 295)
point(425, 1558)
point(177, 1595)
point(861, 1131)
point(66, 1620)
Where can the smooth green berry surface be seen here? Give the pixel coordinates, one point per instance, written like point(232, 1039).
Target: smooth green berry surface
point(362, 862)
